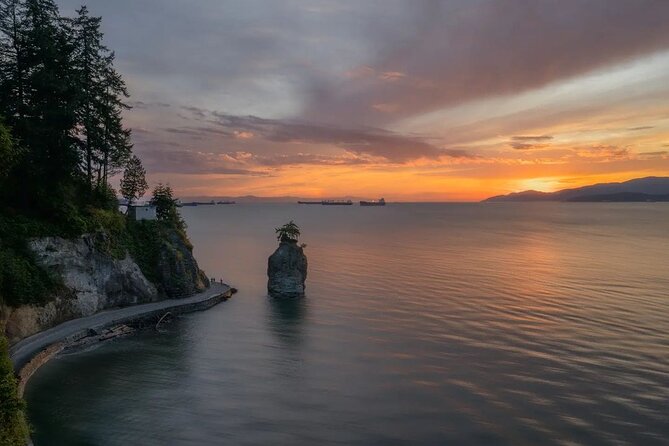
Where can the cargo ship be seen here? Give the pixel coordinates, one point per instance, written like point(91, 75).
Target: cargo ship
point(199, 203)
point(329, 202)
point(336, 202)
point(380, 202)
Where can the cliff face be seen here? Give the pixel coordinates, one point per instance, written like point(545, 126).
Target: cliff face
point(98, 280)
point(95, 280)
point(178, 273)
point(287, 271)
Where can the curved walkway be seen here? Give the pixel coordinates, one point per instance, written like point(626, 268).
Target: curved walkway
point(23, 351)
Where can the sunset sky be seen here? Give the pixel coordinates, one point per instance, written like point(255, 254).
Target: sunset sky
point(410, 100)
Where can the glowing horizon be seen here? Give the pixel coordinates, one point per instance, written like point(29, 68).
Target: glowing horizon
point(414, 101)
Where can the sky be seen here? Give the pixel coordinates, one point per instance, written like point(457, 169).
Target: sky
point(411, 100)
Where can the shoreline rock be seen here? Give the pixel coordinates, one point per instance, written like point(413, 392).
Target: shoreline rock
point(287, 271)
point(32, 353)
point(94, 280)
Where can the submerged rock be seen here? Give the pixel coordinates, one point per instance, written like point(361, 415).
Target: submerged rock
point(287, 270)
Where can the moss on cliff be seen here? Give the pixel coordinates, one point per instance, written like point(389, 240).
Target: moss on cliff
point(164, 254)
point(13, 426)
point(160, 248)
point(22, 281)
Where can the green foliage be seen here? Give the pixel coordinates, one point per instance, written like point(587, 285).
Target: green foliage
point(144, 243)
point(147, 241)
point(62, 102)
point(13, 426)
point(62, 99)
point(8, 153)
point(105, 143)
point(104, 197)
point(45, 106)
point(288, 232)
point(109, 221)
point(166, 207)
point(133, 184)
point(22, 281)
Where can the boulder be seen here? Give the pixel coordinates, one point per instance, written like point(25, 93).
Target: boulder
point(287, 270)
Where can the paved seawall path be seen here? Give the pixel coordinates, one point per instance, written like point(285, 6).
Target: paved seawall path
point(23, 352)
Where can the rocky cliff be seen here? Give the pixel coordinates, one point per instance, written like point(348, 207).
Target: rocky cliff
point(287, 270)
point(95, 280)
point(178, 274)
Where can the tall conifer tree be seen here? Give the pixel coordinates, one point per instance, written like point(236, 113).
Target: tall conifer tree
point(105, 143)
point(46, 126)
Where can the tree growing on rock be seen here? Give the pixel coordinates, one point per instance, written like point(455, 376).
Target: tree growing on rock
point(287, 266)
point(133, 184)
point(289, 232)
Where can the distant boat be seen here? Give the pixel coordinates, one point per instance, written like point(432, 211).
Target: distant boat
point(226, 202)
point(336, 202)
point(309, 202)
point(380, 202)
point(199, 203)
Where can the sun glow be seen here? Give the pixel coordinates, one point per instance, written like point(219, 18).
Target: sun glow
point(541, 184)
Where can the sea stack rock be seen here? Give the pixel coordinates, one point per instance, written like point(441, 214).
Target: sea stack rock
point(287, 270)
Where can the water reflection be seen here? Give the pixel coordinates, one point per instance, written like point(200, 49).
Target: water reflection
point(425, 324)
point(286, 320)
point(136, 368)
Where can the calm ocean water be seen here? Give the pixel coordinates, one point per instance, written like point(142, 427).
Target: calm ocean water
point(425, 324)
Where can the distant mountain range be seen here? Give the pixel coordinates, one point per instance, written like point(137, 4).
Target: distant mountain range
point(640, 189)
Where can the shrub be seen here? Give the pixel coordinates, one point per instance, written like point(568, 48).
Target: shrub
point(22, 281)
point(13, 426)
point(111, 221)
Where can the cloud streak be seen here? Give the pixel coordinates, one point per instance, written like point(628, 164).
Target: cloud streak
point(383, 88)
point(465, 50)
point(366, 141)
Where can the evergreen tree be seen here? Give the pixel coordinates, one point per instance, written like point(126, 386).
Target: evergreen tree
point(105, 142)
point(46, 114)
point(12, 59)
point(8, 153)
point(133, 183)
point(63, 99)
point(116, 148)
point(166, 206)
point(86, 63)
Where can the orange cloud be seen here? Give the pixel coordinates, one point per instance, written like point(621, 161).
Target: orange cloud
point(241, 134)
